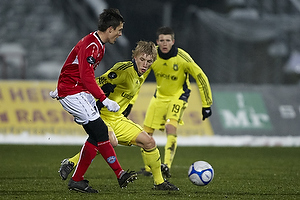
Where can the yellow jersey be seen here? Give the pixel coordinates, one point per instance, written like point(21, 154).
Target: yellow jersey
point(128, 82)
point(172, 78)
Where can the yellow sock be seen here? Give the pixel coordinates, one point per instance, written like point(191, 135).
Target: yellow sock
point(147, 168)
point(152, 160)
point(170, 149)
point(75, 159)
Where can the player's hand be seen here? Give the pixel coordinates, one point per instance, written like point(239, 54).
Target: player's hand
point(54, 94)
point(111, 105)
point(108, 88)
point(206, 113)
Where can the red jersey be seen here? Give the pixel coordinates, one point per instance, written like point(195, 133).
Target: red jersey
point(78, 72)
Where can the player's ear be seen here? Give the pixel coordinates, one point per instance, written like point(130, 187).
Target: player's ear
point(110, 29)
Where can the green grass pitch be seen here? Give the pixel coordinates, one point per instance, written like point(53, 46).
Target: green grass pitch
point(30, 172)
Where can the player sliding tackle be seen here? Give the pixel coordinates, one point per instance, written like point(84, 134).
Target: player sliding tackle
point(120, 84)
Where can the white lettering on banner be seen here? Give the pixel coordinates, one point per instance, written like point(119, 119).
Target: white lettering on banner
point(245, 116)
point(244, 119)
point(287, 111)
point(240, 100)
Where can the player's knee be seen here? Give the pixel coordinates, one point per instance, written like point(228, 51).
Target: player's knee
point(149, 143)
point(171, 126)
point(113, 143)
point(112, 138)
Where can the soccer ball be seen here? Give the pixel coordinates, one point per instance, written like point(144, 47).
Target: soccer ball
point(201, 173)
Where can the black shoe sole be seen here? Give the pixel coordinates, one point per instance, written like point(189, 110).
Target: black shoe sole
point(129, 179)
point(82, 191)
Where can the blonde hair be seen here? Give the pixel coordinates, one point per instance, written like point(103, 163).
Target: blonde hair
point(145, 47)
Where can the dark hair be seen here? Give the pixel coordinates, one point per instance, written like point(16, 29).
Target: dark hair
point(165, 31)
point(109, 17)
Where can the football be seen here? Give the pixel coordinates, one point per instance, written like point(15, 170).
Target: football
point(201, 173)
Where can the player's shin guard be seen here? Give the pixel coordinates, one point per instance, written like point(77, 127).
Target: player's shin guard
point(109, 155)
point(152, 159)
point(87, 154)
point(170, 149)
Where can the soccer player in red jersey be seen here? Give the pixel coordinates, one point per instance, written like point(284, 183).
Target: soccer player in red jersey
point(77, 91)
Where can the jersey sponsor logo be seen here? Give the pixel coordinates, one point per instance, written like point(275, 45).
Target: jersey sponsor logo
point(167, 76)
point(111, 159)
point(174, 78)
point(91, 60)
point(127, 96)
